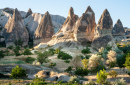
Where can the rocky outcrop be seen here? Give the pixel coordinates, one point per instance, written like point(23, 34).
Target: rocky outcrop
point(28, 13)
point(67, 27)
point(118, 28)
point(9, 10)
point(103, 32)
point(45, 30)
point(84, 27)
point(15, 30)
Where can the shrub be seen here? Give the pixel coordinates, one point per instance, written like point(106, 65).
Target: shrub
point(27, 52)
point(102, 76)
point(127, 62)
point(129, 73)
point(113, 73)
point(69, 69)
point(2, 54)
point(77, 61)
point(42, 57)
point(67, 61)
point(52, 51)
point(29, 60)
point(74, 79)
point(86, 51)
point(81, 72)
point(85, 63)
point(10, 47)
point(64, 56)
point(95, 63)
point(108, 47)
point(18, 72)
point(57, 51)
point(119, 82)
point(16, 51)
point(121, 60)
point(52, 65)
point(111, 58)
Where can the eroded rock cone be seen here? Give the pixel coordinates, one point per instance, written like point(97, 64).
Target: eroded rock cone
point(103, 32)
point(45, 29)
point(85, 25)
point(29, 13)
point(15, 30)
point(69, 22)
point(118, 28)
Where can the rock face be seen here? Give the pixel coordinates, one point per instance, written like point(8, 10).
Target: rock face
point(118, 31)
point(103, 32)
point(67, 27)
point(84, 27)
point(28, 13)
point(15, 29)
point(45, 30)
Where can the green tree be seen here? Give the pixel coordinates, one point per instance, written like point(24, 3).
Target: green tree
point(18, 42)
point(18, 72)
point(127, 62)
point(86, 51)
point(102, 76)
point(42, 57)
point(81, 72)
point(27, 52)
point(1, 54)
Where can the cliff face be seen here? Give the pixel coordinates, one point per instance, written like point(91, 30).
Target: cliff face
point(103, 32)
point(84, 27)
point(29, 13)
point(15, 29)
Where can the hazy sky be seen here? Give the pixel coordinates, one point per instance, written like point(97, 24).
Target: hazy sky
point(119, 9)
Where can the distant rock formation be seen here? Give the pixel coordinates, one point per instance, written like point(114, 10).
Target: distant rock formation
point(67, 27)
point(103, 32)
point(15, 30)
point(9, 10)
point(29, 13)
point(45, 30)
point(84, 27)
point(118, 31)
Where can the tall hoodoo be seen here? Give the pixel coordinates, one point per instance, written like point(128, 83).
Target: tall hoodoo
point(85, 25)
point(118, 28)
point(118, 31)
point(15, 30)
point(45, 30)
point(103, 32)
point(67, 27)
point(29, 13)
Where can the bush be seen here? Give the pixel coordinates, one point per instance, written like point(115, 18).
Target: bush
point(29, 60)
point(42, 57)
point(57, 51)
point(52, 65)
point(95, 63)
point(81, 72)
point(18, 42)
point(2, 54)
point(18, 72)
point(86, 51)
point(102, 76)
point(129, 73)
point(16, 52)
point(64, 56)
point(113, 73)
point(85, 63)
point(119, 82)
point(74, 79)
point(27, 52)
point(52, 51)
point(69, 69)
point(111, 58)
point(67, 61)
point(10, 47)
point(127, 62)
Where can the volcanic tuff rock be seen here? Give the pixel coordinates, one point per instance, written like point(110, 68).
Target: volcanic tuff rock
point(118, 28)
point(45, 30)
point(103, 32)
point(28, 13)
point(85, 25)
point(15, 29)
point(69, 22)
